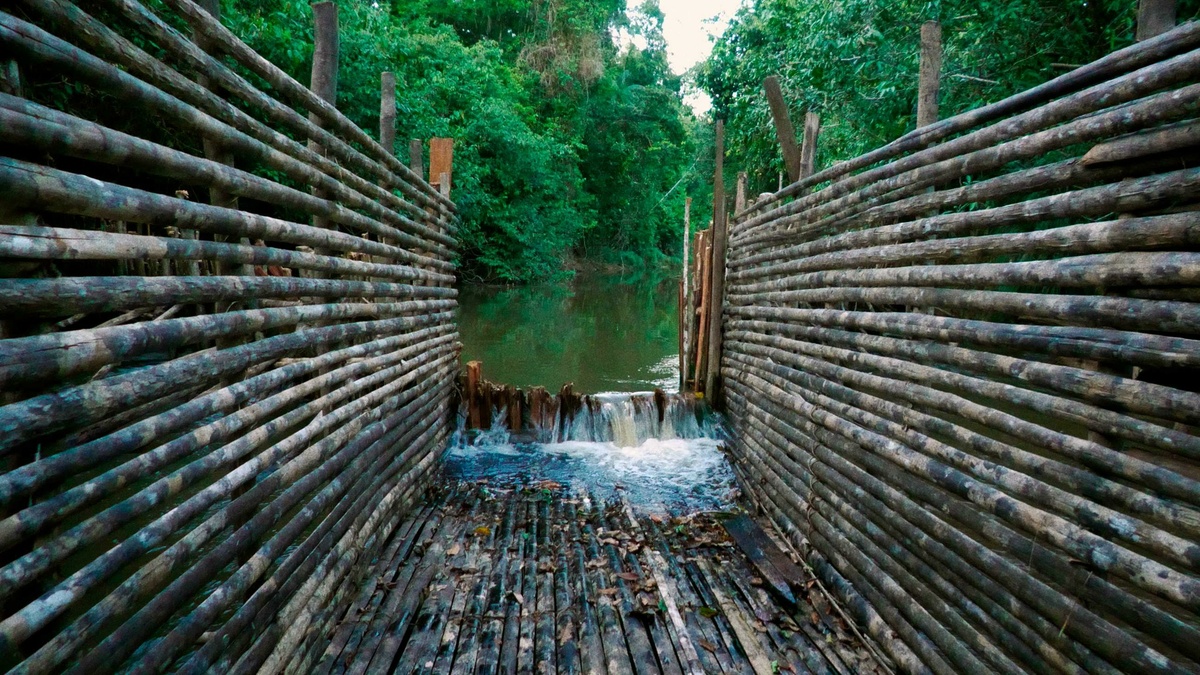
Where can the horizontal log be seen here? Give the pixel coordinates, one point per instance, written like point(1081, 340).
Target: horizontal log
point(33, 126)
point(41, 188)
point(1134, 57)
point(212, 29)
point(37, 44)
point(217, 72)
point(70, 295)
point(24, 361)
point(917, 237)
point(1083, 624)
point(20, 422)
point(1033, 128)
point(1172, 138)
point(1156, 109)
point(889, 358)
point(301, 458)
point(150, 429)
point(1110, 271)
point(1143, 349)
point(1166, 316)
point(32, 520)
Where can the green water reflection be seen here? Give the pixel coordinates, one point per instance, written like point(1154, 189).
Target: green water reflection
point(600, 332)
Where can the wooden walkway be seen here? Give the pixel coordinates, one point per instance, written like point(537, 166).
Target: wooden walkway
point(531, 580)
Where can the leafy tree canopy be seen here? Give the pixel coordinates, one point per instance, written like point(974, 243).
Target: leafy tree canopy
point(855, 62)
point(568, 138)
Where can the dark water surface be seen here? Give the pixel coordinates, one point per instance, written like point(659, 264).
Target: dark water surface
point(603, 333)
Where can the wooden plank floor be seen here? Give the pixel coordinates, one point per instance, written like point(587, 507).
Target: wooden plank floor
point(532, 579)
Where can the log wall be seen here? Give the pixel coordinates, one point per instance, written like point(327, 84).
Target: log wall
point(962, 374)
point(229, 344)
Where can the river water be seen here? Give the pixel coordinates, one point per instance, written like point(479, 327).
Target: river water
point(608, 335)
point(600, 332)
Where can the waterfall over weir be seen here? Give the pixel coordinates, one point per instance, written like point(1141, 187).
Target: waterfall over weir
point(625, 420)
point(654, 449)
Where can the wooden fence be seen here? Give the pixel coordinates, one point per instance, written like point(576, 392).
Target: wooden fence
point(229, 341)
point(962, 373)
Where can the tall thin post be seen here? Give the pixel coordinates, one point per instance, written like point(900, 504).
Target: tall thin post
point(808, 152)
point(784, 130)
point(685, 299)
point(687, 226)
point(1154, 17)
point(324, 71)
point(441, 159)
point(387, 111)
point(216, 152)
point(416, 153)
point(931, 69)
point(718, 269)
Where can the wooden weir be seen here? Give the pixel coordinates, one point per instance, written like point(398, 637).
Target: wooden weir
point(959, 372)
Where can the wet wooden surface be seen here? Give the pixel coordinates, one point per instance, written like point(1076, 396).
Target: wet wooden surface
point(534, 579)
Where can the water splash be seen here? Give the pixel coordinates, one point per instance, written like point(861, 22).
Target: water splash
point(656, 454)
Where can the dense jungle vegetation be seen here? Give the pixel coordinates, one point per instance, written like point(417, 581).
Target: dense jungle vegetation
point(570, 140)
point(855, 62)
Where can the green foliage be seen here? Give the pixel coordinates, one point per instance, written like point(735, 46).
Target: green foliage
point(856, 63)
point(565, 143)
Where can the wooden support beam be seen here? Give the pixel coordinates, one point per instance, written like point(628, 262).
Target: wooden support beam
point(931, 72)
point(325, 52)
point(808, 152)
point(441, 160)
point(720, 237)
point(387, 111)
point(214, 150)
point(323, 81)
point(685, 299)
point(1154, 18)
point(416, 154)
point(784, 130)
point(472, 395)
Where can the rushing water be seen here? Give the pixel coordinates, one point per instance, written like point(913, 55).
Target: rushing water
point(615, 446)
point(599, 332)
point(609, 336)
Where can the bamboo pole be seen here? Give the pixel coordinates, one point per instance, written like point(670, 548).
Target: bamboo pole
point(784, 131)
point(720, 237)
point(387, 111)
point(1154, 17)
point(1124, 60)
point(315, 104)
point(930, 73)
point(340, 182)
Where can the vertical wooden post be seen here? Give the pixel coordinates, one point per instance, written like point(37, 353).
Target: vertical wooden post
point(931, 70)
point(387, 138)
point(387, 111)
point(216, 152)
point(685, 299)
point(704, 287)
point(416, 152)
point(739, 197)
point(324, 73)
point(325, 52)
point(1154, 18)
point(784, 130)
point(474, 378)
point(441, 160)
point(808, 152)
point(716, 307)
